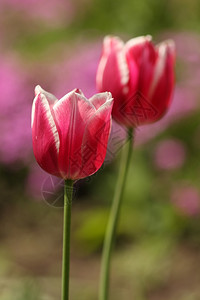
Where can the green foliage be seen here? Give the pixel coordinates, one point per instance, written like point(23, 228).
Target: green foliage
point(97, 18)
point(90, 232)
point(143, 263)
point(29, 292)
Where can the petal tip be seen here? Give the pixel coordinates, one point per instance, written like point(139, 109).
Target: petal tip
point(171, 45)
point(167, 48)
point(38, 89)
point(168, 44)
point(139, 40)
point(149, 37)
point(111, 41)
point(109, 96)
point(78, 91)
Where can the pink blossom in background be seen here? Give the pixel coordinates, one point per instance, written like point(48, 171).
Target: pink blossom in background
point(15, 127)
point(37, 179)
point(78, 70)
point(187, 44)
point(45, 10)
point(170, 154)
point(187, 200)
point(15, 109)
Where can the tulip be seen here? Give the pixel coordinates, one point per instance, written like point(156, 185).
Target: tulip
point(140, 77)
point(70, 135)
point(70, 139)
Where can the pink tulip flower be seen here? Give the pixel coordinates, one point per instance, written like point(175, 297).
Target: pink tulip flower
point(140, 77)
point(70, 135)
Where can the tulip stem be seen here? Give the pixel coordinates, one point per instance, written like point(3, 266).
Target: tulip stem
point(68, 192)
point(113, 219)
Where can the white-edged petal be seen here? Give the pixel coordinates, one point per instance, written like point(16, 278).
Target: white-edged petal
point(138, 40)
point(50, 97)
point(47, 115)
point(72, 96)
point(162, 50)
point(99, 99)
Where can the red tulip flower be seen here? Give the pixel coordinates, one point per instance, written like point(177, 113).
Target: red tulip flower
point(140, 77)
point(70, 135)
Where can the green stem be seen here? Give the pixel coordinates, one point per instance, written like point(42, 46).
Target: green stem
point(68, 191)
point(113, 219)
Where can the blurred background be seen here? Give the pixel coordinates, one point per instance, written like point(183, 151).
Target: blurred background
point(57, 44)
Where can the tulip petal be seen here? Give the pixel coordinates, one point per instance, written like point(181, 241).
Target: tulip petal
point(94, 144)
point(140, 51)
point(50, 97)
point(112, 73)
point(45, 137)
point(99, 99)
point(72, 113)
point(135, 48)
point(78, 91)
point(163, 80)
point(155, 83)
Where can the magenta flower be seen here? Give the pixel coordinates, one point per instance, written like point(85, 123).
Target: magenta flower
point(70, 135)
point(14, 80)
point(140, 77)
point(170, 154)
point(51, 11)
point(186, 199)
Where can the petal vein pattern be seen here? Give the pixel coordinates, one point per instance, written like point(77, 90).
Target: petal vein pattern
point(123, 69)
point(71, 116)
point(52, 124)
point(159, 67)
point(45, 136)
